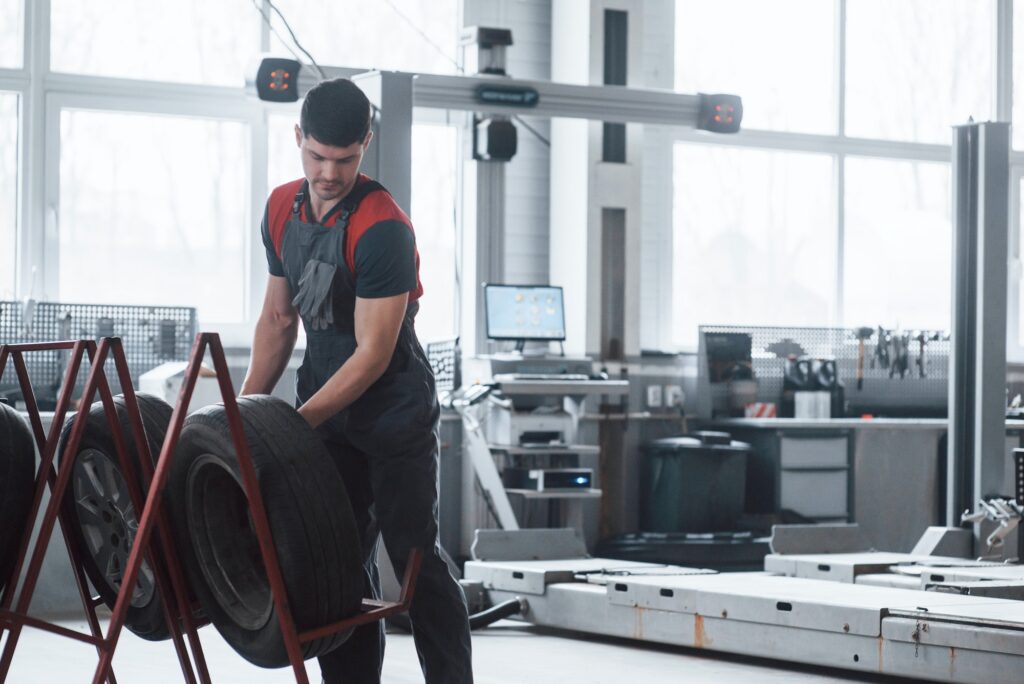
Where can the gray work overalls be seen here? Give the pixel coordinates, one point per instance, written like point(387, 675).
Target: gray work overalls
point(386, 446)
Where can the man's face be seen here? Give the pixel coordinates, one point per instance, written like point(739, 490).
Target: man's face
point(331, 171)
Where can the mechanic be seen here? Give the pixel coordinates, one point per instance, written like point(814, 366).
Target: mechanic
point(342, 258)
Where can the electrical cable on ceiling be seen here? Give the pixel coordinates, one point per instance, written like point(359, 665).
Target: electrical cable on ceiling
point(426, 38)
point(296, 40)
point(270, 25)
point(532, 130)
point(440, 51)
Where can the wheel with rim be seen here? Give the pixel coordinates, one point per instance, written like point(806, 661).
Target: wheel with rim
point(102, 519)
point(311, 524)
point(17, 485)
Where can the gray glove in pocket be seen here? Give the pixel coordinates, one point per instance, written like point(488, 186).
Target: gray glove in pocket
point(314, 301)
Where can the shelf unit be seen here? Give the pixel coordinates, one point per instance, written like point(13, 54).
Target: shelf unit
point(514, 507)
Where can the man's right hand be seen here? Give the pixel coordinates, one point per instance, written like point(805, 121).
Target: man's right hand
point(274, 339)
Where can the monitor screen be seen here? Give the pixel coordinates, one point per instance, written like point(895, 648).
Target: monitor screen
point(524, 312)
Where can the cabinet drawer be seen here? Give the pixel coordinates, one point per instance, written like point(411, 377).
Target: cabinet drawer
point(814, 452)
point(814, 493)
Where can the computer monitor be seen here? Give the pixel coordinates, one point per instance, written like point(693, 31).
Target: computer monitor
point(524, 312)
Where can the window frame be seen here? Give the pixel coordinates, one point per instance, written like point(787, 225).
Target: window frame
point(12, 87)
point(1015, 269)
point(44, 94)
point(841, 146)
point(197, 105)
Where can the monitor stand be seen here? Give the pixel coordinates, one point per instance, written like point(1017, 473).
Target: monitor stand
point(521, 346)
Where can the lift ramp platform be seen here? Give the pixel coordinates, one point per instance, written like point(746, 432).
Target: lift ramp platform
point(925, 635)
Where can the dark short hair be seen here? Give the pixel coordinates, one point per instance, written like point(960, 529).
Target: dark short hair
point(336, 113)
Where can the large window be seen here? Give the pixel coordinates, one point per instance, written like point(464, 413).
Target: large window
point(1016, 261)
point(1018, 75)
point(403, 35)
point(154, 210)
point(12, 19)
point(898, 244)
point(8, 193)
point(916, 67)
point(434, 193)
point(780, 57)
point(190, 41)
point(148, 191)
point(754, 231)
point(283, 163)
point(866, 238)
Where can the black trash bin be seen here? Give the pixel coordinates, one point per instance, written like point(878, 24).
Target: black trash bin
point(694, 483)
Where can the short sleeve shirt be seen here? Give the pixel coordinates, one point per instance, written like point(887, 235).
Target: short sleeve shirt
point(380, 249)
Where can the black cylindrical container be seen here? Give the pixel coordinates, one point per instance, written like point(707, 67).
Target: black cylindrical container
point(693, 484)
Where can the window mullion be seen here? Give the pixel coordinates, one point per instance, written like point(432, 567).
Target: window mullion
point(37, 250)
point(1003, 45)
point(840, 285)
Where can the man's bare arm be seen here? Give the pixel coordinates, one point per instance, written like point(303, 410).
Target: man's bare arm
point(377, 323)
point(274, 339)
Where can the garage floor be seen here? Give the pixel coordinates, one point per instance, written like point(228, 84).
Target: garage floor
point(505, 653)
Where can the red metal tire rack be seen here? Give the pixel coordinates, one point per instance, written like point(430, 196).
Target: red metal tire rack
point(162, 556)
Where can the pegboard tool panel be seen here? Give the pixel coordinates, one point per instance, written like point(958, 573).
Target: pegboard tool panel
point(151, 335)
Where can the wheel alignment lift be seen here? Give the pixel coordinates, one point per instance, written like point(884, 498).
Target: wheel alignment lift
point(166, 566)
point(778, 632)
point(389, 159)
point(395, 95)
point(798, 618)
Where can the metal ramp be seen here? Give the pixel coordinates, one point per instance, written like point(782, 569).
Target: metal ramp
point(904, 632)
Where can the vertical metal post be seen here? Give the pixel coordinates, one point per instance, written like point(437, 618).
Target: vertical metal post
point(483, 226)
point(389, 158)
point(977, 407)
point(488, 255)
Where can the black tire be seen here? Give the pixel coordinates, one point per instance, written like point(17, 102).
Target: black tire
point(101, 519)
point(17, 485)
point(310, 517)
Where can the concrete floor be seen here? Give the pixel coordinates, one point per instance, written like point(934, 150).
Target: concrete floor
point(505, 653)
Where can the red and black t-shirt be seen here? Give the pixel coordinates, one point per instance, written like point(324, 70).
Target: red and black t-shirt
point(380, 248)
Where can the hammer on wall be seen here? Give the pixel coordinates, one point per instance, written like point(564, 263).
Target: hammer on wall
point(863, 335)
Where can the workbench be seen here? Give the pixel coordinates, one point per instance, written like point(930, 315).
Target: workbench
point(896, 471)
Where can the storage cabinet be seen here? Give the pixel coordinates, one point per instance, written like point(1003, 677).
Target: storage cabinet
point(814, 476)
point(803, 470)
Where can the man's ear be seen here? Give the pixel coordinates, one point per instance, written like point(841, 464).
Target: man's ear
point(366, 143)
point(298, 135)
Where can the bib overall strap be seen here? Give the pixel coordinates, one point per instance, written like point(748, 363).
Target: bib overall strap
point(351, 201)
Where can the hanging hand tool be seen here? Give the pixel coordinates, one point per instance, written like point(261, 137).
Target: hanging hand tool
point(881, 354)
point(863, 335)
point(923, 337)
point(900, 354)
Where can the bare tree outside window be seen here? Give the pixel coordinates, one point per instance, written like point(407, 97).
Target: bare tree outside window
point(754, 239)
point(1018, 76)
point(914, 69)
point(175, 201)
point(402, 35)
point(12, 22)
point(1015, 267)
point(779, 55)
point(8, 192)
point(188, 41)
point(434, 178)
point(917, 67)
point(898, 244)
